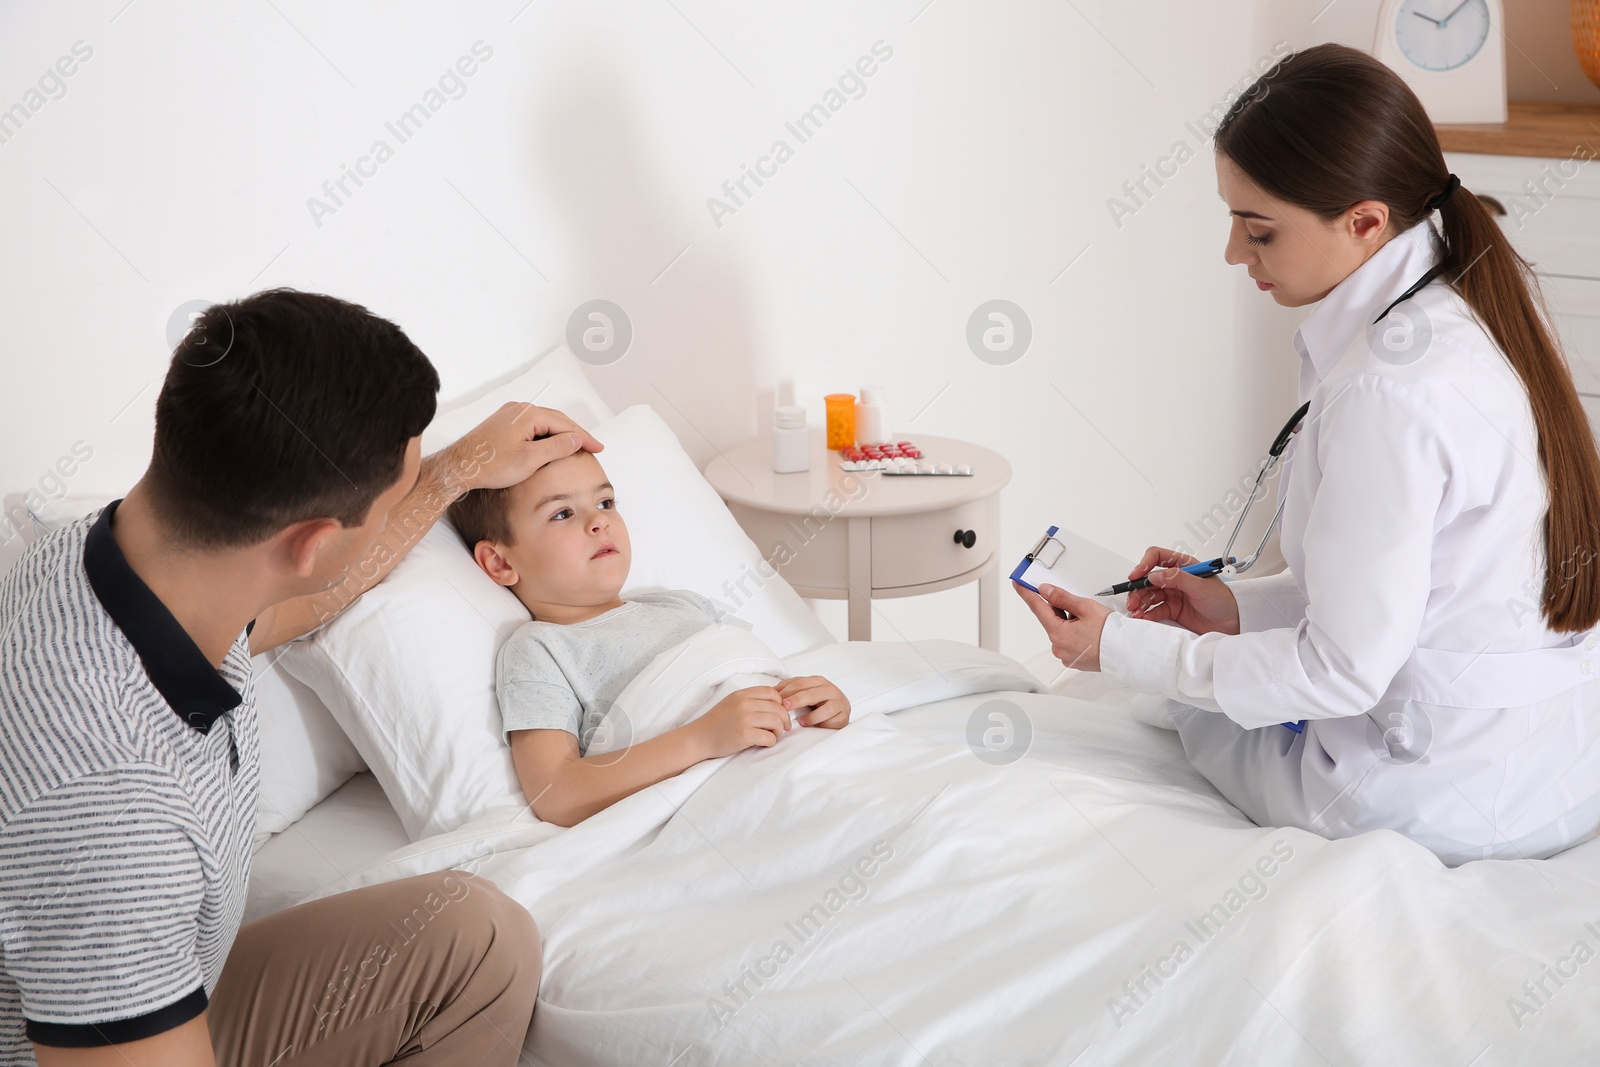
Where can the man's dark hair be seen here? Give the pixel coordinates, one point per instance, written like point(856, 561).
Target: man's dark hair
point(282, 407)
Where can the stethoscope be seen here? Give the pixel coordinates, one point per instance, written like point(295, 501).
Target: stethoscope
point(1225, 564)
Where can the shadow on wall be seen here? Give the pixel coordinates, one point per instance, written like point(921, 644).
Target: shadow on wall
point(637, 241)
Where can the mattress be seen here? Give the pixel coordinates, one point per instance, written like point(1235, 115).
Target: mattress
point(355, 825)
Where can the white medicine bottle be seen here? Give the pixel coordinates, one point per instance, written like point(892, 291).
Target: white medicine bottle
point(791, 441)
point(872, 416)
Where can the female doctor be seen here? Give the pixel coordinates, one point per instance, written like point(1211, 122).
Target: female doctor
point(1429, 644)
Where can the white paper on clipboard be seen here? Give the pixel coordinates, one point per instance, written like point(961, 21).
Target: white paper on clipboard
point(1064, 559)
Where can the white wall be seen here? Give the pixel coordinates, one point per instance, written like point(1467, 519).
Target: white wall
point(978, 164)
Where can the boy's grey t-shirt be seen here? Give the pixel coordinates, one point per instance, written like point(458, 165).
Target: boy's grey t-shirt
point(552, 676)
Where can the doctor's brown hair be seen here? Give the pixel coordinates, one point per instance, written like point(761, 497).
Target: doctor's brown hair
point(1329, 127)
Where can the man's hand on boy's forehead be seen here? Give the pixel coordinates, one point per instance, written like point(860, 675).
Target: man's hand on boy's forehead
point(508, 446)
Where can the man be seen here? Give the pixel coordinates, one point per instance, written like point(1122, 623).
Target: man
point(286, 462)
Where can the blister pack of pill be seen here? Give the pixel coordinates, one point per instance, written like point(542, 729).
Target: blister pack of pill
point(884, 450)
point(908, 467)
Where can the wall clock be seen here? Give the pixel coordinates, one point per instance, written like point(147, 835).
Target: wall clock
point(1451, 52)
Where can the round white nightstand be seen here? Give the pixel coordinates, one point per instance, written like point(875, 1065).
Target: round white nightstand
point(856, 535)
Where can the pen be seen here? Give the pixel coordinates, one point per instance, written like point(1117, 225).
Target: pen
point(1205, 569)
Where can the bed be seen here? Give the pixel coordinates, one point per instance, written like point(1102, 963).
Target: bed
point(1093, 902)
point(977, 870)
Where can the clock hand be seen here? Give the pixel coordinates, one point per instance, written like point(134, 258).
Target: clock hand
point(1428, 18)
point(1452, 14)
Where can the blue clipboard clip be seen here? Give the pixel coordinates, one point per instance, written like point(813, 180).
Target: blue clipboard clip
point(1047, 552)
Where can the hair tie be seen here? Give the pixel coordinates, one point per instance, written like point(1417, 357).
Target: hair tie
point(1450, 187)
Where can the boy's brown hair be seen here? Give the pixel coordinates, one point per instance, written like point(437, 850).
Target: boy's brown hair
point(482, 515)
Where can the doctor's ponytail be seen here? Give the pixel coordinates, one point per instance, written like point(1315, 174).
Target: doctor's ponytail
point(1331, 126)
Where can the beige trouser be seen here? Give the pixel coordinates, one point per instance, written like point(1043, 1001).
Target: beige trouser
point(440, 970)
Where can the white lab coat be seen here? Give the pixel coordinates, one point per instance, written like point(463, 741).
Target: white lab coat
point(1406, 629)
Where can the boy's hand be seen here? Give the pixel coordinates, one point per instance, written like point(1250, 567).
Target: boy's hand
point(829, 707)
point(753, 717)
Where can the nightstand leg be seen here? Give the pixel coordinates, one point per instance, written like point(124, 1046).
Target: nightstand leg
point(860, 579)
point(989, 606)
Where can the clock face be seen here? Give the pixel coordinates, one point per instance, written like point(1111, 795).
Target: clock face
point(1441, 34)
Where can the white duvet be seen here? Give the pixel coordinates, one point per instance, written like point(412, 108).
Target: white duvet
point(895, 893)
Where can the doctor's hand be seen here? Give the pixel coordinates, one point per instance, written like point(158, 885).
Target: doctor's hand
point(502, 451)
point(1201, 605)
point(1075, 639)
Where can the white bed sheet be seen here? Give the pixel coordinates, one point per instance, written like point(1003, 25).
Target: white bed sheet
point(1031, 914)
point(348, 830)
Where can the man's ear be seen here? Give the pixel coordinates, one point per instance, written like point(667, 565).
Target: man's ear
point(487, 554)
point(304, 541)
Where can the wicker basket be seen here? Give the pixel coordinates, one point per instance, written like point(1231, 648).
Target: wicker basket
point(1586, 36)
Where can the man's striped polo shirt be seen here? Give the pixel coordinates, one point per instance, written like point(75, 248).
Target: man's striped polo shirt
point(129, 768)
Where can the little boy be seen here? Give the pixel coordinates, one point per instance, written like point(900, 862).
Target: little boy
point(558, 542)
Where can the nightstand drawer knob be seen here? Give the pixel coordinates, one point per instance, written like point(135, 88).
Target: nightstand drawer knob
point(966, 538)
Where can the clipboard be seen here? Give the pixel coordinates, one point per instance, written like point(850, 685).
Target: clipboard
point(1062, 558)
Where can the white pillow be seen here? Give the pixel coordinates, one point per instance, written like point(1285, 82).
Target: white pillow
point(51, 515)
point(304, 754)
point(408, 669)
